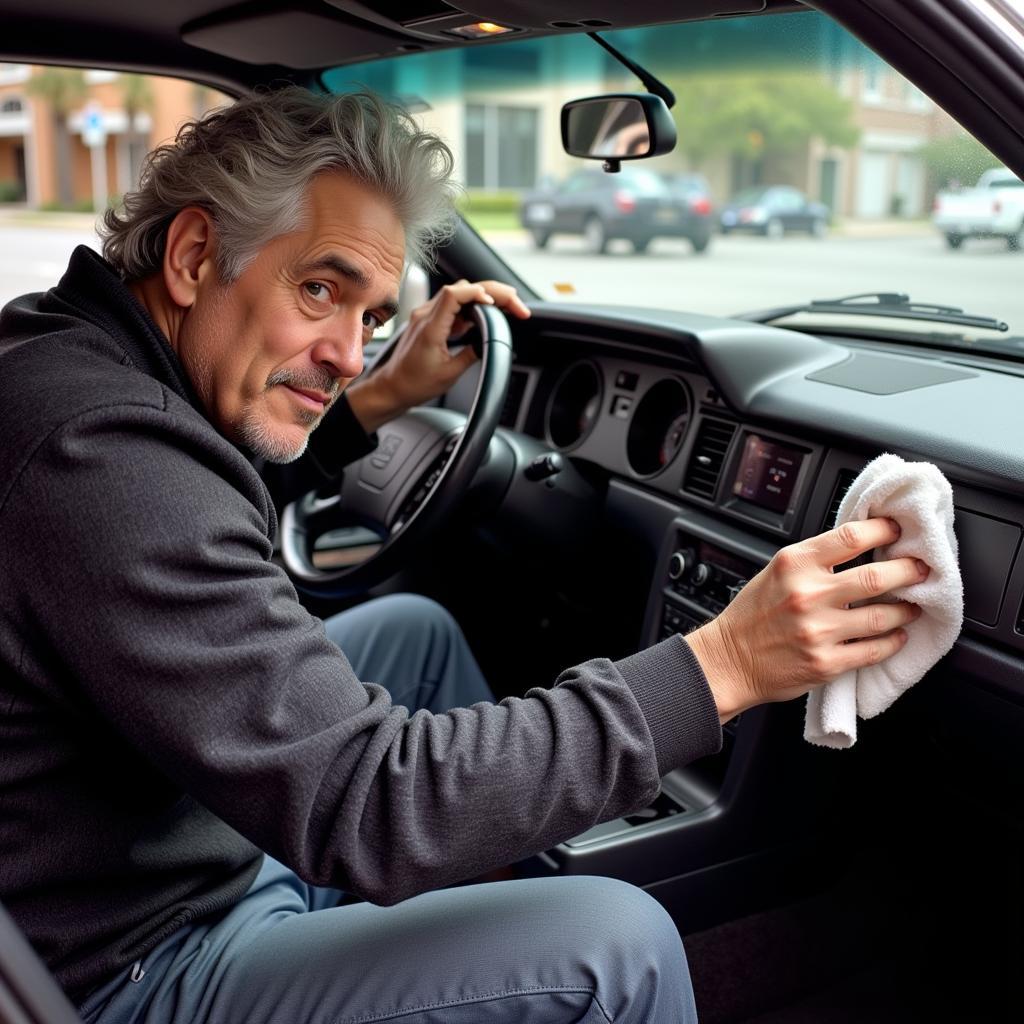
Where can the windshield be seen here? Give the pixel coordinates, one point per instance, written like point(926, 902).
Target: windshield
point(806, 168)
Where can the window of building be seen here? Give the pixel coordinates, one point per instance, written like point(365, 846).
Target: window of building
point(501, 146)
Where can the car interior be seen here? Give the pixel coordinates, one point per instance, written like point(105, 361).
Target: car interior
point(585, 491)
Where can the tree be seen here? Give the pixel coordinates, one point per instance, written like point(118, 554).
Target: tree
point(757, 117)
point(61, 89)
point(956, 158)
point(137, 96)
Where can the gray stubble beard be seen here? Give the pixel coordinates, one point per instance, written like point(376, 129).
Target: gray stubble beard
point(258, 435)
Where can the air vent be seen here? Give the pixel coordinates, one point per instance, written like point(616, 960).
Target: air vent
point(709, 451)
point(843, 482)
point(513, 398)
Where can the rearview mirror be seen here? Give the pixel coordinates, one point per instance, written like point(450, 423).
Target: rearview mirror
point(618, 126)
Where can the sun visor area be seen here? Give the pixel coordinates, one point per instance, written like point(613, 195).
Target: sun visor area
point(296, 38)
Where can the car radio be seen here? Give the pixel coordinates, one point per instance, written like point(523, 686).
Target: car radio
point(701, 579)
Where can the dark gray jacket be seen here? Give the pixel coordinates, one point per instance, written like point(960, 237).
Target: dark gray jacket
point(168, 708)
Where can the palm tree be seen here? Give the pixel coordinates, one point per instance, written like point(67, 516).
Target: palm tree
point(62, 89)
point(137, 96)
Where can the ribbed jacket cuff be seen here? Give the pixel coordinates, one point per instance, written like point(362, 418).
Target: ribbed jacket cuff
point(674, 696)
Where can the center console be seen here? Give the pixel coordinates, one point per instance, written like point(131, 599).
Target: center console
point(701, 578)
point(702, 565)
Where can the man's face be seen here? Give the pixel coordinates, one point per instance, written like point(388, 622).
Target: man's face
point(269, 353)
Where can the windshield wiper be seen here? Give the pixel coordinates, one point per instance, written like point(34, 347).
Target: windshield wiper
point(891, 304)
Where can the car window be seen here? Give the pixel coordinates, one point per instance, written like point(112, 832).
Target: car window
point(580, 183)
point(750, 195)
point(792, 105)
point(645, 183)
point(787, 200)
point(72, 142)
point(688, 183)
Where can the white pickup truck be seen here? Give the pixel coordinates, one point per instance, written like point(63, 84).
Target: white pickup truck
point(994, 208)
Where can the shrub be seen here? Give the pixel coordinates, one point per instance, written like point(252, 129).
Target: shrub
point(488, 202)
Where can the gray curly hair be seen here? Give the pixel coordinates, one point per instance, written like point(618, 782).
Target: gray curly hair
point(249, 165)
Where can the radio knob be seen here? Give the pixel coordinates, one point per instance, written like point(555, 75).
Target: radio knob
point(679, 564)
point(701, 574)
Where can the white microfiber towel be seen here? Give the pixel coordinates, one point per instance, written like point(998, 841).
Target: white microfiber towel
point(919, 498)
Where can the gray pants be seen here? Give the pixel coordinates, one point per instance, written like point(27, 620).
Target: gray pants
point(547, 950)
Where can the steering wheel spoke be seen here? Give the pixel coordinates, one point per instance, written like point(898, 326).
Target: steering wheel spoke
point(424, 486)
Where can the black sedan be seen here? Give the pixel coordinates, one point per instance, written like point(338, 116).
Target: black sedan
point(772, 210)
point(635, 204)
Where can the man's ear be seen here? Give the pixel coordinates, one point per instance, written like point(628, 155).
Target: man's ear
point(189, 254)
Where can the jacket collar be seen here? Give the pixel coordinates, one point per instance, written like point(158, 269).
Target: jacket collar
point(97, 293)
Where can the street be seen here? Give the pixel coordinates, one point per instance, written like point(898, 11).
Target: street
point(736, 273)
point(33, 257)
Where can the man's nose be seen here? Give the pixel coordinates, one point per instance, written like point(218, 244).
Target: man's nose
point(340, 351)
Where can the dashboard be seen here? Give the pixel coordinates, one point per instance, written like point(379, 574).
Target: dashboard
point(745, 437)
point(710, 443)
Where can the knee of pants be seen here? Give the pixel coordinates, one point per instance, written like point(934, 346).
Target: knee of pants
point(425, 615)
point(622, 936)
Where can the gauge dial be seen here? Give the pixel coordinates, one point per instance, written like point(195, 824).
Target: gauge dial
point(658, 427)
point(574, 406)
point(673, 439)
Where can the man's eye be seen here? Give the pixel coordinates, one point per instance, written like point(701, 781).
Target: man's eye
point(372, 321)
point(317, 290)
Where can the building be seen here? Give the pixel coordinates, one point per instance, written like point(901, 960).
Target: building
point(44, 153)
point(884, 175)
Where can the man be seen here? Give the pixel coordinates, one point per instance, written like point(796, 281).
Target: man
point(170, 709)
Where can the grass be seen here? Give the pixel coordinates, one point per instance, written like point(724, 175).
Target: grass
point(493, 220)
point(490, 211)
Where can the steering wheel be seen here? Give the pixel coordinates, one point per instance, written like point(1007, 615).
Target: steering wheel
point(423, 464)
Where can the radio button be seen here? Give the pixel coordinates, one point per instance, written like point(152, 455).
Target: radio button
point(679, 564)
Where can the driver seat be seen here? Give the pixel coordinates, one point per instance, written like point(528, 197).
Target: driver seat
point(28, 993)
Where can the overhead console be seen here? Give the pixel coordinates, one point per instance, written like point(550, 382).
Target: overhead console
point(346, 31)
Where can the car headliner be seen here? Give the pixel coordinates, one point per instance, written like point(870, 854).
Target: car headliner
point(245, 44)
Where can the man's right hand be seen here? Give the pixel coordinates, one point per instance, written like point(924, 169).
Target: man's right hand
point(787, 630)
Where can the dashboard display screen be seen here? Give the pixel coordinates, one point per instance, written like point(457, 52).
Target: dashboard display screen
point(767, 473)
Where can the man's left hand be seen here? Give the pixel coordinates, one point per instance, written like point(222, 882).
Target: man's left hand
point(422, 366)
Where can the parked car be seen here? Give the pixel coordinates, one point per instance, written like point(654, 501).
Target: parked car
point(772, 210)
point(695, 191)
point(994, 208)
point(635, 204)
point(877, 884)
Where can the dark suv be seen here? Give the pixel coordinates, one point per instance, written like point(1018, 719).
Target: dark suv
point(635, 204)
